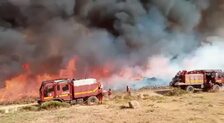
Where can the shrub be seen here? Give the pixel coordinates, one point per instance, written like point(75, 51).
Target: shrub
point(175, 92)
point(53, 105)
point(30, 108)
point(45, 106)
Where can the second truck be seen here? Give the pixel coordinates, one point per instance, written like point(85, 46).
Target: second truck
point(199, 80)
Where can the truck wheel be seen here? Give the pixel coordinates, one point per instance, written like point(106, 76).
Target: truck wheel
point(216, 88)
point(190, 89)
point(93, 100)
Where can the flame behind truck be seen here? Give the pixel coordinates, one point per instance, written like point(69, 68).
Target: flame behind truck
point(199, 80)
point(71, 91)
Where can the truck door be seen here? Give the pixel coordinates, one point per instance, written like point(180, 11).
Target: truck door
point(49, 92)
point(64, 91)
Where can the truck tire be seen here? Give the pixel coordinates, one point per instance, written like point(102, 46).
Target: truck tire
point(93, 100)
point(190, 89)
point(216, 88)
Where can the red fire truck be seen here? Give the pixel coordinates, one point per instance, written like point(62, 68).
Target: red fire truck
point(71, 91)
point(199, 79)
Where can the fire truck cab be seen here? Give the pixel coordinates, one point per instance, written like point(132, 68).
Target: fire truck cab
point(72, 91)
point(199, 79)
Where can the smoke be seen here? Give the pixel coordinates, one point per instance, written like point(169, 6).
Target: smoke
point(135, 38)
point(207, 56)
point(213, 18)
point(160, 68)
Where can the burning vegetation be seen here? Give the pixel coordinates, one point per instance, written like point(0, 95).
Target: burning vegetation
point(118, 42)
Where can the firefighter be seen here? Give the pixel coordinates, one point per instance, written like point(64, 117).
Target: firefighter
point(128, 90)
point(100, 97)
point(109, 93)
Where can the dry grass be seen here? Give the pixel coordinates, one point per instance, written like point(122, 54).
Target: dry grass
point(2, 111)
point(22, 100)
point(30, 108)
point(184, 108)
point(175, 92)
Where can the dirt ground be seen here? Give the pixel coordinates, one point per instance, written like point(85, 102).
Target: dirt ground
point(154, 108)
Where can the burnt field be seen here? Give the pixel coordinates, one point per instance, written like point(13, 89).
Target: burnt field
point(158, 106)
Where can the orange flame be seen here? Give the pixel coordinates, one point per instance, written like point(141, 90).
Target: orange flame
point(22, 85)
point(27, 84)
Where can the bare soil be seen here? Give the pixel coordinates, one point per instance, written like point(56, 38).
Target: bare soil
point(200, 107)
